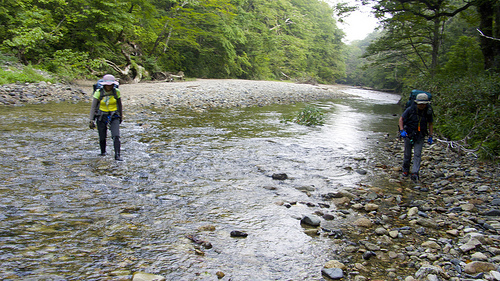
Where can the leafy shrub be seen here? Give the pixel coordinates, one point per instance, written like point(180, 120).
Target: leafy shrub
point(71, 65)
point(27, 74)
point(467, 109)
point(309, 116)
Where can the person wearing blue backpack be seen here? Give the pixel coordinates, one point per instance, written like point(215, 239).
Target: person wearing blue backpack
point(107, 112)
point(415, 124)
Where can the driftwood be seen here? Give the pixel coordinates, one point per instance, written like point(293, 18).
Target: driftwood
point(179, 76)
point(168, 76)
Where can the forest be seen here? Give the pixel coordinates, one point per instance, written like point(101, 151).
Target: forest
point(450, 48)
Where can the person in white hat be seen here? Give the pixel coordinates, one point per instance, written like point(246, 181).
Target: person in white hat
point(107, 110)
point(415, 124)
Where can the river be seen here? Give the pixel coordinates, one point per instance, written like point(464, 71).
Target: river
point(68, 214)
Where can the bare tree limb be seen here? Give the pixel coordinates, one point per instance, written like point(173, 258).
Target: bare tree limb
point(482, 34)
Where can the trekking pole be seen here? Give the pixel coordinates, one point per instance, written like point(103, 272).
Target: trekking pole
point(399, 139)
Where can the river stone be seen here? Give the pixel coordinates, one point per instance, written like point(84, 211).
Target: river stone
point(412, 212)
point(311, 220)
point(335, 264)
point(237, 233)
point(431, 244)
point(361, 171)
point(479, 266)
point(492, 213)
point(493, 275)
point(483, 188)
point(141, 276)
point(467, 207)
point(328, 217)
point(427, 223)
point(280, 176)
point(363, 222)
point(381, 231)
point(478, 256)
point(470, 245)
point(357, 206)
point(370, 246)
point(394, 233)
point(333, 273)
point(368, 255)
point(371, 207)
point(427, 270)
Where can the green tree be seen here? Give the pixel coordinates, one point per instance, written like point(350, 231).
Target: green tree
point(414, 30)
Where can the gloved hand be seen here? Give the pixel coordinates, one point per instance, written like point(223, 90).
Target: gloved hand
point(429, 140)
point(91, 124)
point(121, 119)
point(403, 134)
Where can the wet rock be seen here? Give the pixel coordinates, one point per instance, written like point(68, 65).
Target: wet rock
point(361, 171)
point(207, 228)
point(220, 274)
point(280, 176)
point(363, 222)
point(336, 233)
point(335, 264)
point(333, 273)
point(311, 220)
point(237, 233)
point(327, 217)
point(141, 276)
point(205, 244)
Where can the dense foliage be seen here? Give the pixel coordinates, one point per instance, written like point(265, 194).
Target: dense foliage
point(436, 46)
point(139, 39)
point(448, 47)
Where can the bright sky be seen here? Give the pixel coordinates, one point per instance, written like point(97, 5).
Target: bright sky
point(359, 24)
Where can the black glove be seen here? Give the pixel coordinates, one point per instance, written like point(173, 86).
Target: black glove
point(91, 124)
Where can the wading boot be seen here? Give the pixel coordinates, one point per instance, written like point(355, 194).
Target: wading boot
point(116, 144)
point(414, 178)
point(102, 144)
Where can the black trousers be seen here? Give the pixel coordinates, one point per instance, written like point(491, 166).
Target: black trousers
point(114, 126)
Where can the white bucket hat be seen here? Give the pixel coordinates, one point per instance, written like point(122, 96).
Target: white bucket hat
point(109, 79)
point(422, 99)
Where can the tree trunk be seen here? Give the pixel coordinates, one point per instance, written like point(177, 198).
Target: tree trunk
point(488, 9)
point(436, 43)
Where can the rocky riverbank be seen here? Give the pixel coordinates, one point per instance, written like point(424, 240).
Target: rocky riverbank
point(40, 93)
point(197, 95)
point(445, 227)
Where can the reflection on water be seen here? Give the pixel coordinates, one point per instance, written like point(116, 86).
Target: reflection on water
point(66, 213)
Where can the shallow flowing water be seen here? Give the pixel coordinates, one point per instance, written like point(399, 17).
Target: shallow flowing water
point(68, 214)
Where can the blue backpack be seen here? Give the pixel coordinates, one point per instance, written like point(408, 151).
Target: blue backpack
point(413, 97)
